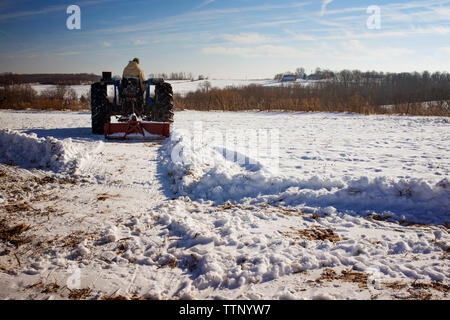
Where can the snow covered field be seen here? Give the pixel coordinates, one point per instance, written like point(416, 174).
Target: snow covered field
point(247, 205)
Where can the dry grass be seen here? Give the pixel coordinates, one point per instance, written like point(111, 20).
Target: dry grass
point(396, 285)
point(13, 234)
point(18, 207)
point(171, 263)
point(80, 294)
point(433, 285)
point(415, 290)
point(122, 297)
point(334, 96)
point(360, 278)
point(74, 239)
point(315, 233)
point(25, 97)
point(191, 263)
point(327, 275)
point(53, 287)
point(289, 212)
point(114, 297)
point(105, 196)
point(378, 217)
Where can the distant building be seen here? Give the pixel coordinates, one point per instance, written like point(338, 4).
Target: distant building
point(289, 78)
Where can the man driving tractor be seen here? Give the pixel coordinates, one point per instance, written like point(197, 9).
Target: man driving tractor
point(134, 70)
point(134, 108)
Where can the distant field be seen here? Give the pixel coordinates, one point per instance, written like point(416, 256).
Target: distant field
point(179, 86)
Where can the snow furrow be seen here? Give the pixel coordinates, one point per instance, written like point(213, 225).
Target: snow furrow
point(204, 174)
point(48, 153)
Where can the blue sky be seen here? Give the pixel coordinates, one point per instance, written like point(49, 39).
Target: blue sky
point(224, 38)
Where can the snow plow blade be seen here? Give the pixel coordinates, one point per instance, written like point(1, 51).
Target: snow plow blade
point(137, 130)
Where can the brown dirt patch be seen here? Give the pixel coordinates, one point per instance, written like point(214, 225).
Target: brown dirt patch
point(114, 297)
point(433, 285)
point(18, 207)
point(315, 233)
point(80, 294)
point(171, 263)
point(13, 234)
point(346, 275)
point(396, 285)
point(105, 196)
point(378, 217)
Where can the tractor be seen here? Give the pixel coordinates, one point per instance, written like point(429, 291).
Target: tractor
point(138, 114)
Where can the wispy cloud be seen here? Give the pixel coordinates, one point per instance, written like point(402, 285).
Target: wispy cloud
point(140, 42)
point(355, 49)
point(198, 17)
point(445, 50)
point(68, 53)
point(27, 13)
point(300, 36)
point(204, 4)
point(247, 38)
point(46, 10)
point(258, 51)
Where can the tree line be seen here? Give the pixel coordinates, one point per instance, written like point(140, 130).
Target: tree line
point(50, 78)
point(177, 76)
point(23, 96)
point(344, 91)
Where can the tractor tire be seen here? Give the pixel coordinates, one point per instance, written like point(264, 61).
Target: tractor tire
point(164, 102)
point(99, 108)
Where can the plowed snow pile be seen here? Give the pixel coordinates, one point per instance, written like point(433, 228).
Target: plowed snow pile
point(204, 170)
point(205, 174)
point(29, 151)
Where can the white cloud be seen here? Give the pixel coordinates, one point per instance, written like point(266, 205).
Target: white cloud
point(258, 51)
point(68, 53)
point(437, 30)
point(247, 38)
point(140, 42)
point(300, 36)
point(355, 49)
point(198, 17)
point(444, 50)
point(204, 4)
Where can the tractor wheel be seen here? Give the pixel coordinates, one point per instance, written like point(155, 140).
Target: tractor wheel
point(164, 102)
point(99, 108)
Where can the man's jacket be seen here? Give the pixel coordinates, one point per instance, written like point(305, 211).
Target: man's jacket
point(134, 70)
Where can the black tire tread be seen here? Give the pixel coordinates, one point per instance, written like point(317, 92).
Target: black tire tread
point(99, 108)
point(164, 102)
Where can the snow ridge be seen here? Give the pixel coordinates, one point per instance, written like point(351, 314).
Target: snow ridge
point(30, 151)
point(205, 174)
